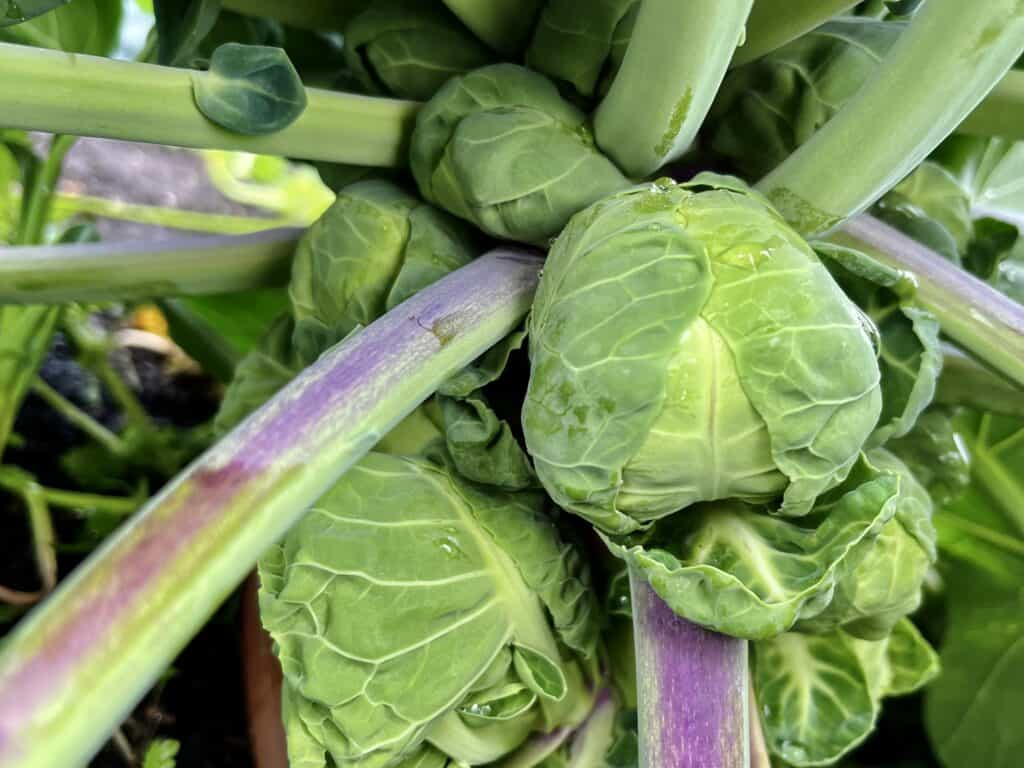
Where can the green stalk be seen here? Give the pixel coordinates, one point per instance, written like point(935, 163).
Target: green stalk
point(675, 62)
point(773, 23)
point(138, 270)
point(121, 506)
point(1002, 111)
point(93, 350)
point(951, 55)
point(36, 204)
point(65, 205)
point(93, 96)
point(505, 25)
point(983, 321)
point(74, 668)
point(965, 381)
point(25, 332)
point(318, 15)
point(79, 418)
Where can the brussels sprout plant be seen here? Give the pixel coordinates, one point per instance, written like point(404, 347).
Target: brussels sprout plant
point(637, 384)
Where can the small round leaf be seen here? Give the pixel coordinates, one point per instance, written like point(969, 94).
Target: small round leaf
point(250, 89)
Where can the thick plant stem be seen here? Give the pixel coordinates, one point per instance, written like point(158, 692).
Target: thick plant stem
point(76, 666)
point(1002, 111)
point(92, 96)
point(126, 271)
point(675, 61)
point(983, 321)
point(951, 55)
point(505, 25)
point(773, 23)
point(692, 688)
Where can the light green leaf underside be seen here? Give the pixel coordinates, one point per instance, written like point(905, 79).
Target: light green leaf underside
point(819, 695)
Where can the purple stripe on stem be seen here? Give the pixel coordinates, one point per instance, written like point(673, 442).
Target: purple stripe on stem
point(75, 666)
point(691, 689)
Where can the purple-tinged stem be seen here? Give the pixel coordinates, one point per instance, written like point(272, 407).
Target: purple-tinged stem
point(79, 663)
point(983, 321)
point(691, 689)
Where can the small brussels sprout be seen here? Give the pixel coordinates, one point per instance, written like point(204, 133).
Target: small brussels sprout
point(768, 108)
point(409, 48)
point(880, 581)
point(371, 250)
point(403, 574)
point(500, 147)
point(688, 346)
point(582, 42)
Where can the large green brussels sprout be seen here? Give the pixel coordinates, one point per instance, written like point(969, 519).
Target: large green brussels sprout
point(880, 581)
point(409, 48)
point(372, 249)
point(768, 108)
point(688, 346)
point(582, 42)
point(500, 147)
point(420, 620)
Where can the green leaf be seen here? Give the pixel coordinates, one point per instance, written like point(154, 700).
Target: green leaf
point(972, 712)
point(161, 753)
point(181, 26)
point(820, 695)
point(984, 525)
point(769, 107)
point(250, 89)
point(935, 454)
point(909, 354)
point(482, 447)
point(539, 673)
point(408, 49)
point(932, 192)
point(79, 26)
point(738, 570)
point(241, 318)
point(880, 581)
point(402, 573)
point(989, 169)
point(19, 11)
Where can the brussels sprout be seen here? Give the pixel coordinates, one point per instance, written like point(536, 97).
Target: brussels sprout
point(880, 582)
point(500, 147)
point(372, 249)
point(688, 346)
point(582, 42)
point(403, 574)
point(409, 48)
point(768, 108)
